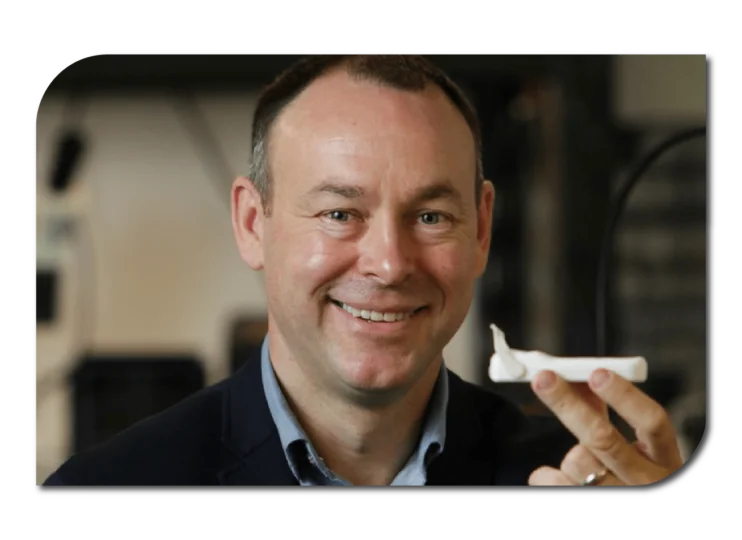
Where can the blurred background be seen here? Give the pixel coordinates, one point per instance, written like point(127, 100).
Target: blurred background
point(142, 298)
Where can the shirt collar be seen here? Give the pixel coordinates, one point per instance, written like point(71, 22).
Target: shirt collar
point(292, 435)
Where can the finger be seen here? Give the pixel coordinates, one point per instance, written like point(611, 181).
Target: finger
point(548, 476)
point(579, 463)
point(594, 430)
point(583, 389)
point(648, 418)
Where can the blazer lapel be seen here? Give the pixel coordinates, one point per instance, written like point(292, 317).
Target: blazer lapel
point(463, 461)
point(253, 452)
point(493, 443)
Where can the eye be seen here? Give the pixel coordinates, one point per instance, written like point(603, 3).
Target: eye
point(431, 218)
point(339, 215)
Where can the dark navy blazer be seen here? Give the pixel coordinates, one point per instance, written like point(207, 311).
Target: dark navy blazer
point(225, 435)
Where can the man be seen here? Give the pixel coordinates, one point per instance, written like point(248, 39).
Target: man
point(367, 210)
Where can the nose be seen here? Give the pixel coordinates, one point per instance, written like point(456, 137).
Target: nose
point(386, 251)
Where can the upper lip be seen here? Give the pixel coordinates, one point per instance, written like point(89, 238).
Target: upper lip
point(381, 308)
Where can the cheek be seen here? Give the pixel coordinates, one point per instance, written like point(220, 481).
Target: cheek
point(451, 265)
point(310, 261)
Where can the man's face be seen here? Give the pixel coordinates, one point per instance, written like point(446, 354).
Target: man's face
point(373, 216)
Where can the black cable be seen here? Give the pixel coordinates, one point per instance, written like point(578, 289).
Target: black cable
point(615, 214)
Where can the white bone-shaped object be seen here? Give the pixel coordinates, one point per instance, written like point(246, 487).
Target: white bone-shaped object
point(511, 365)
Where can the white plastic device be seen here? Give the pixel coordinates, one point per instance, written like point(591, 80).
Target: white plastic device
point(511, 365)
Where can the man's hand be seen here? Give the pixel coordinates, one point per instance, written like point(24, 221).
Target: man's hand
point(601, 447)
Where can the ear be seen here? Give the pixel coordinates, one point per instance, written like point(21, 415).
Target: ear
point(484, 225)
point(248, 219)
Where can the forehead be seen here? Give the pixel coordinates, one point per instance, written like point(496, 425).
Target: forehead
point(341, 126)
point(338, 100)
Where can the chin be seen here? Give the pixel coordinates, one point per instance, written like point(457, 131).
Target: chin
point(378, 373)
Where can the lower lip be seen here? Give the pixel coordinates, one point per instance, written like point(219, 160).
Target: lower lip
point(377, 327)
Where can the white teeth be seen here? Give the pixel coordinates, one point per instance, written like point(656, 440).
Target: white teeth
point(375, 316)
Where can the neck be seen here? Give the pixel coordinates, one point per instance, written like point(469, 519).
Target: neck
point(367, 444)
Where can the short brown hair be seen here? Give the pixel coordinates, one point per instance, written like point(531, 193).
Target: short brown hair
point(412, 73)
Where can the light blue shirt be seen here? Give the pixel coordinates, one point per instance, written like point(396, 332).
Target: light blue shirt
point(308, 467)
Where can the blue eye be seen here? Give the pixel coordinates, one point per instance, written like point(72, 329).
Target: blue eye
point(430, 218)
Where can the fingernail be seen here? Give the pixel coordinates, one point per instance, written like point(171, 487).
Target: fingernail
point(545, 380)
point(599, 378)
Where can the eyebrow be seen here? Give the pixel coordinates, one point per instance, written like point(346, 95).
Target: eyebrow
point(344, 190)
point(444, 189)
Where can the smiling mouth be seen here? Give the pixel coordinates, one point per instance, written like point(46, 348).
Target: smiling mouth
point(376, 316)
